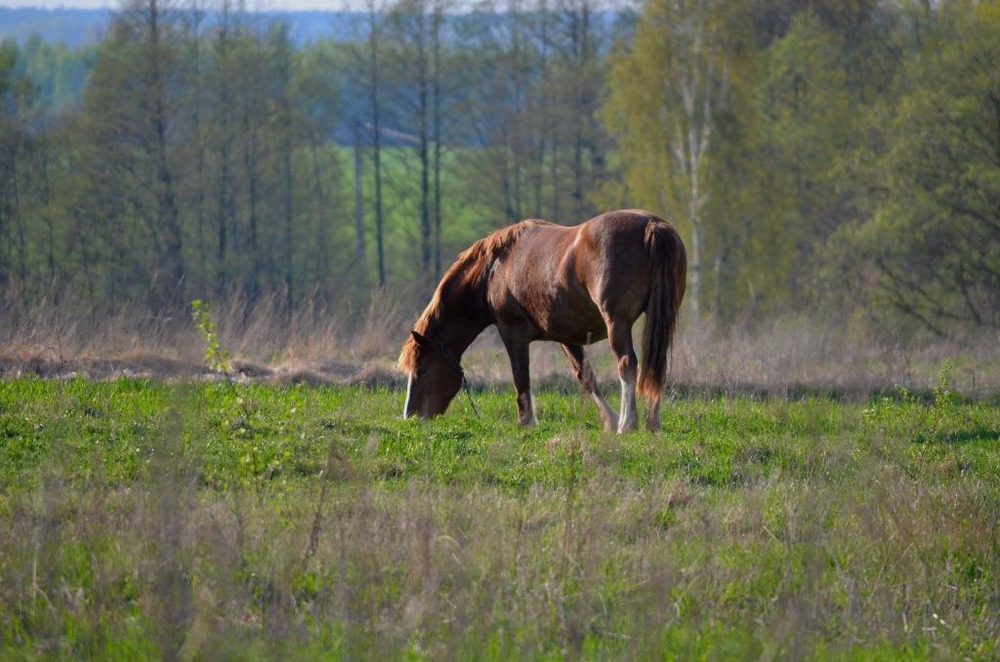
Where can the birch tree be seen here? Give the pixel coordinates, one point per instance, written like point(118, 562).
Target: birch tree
point(665, 93)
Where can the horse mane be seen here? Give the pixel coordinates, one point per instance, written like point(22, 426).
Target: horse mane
point(466, 272)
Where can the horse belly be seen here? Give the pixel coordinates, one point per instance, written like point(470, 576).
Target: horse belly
point(533, 290)
point(550, 314)
point(575, 322)
point(563, 308)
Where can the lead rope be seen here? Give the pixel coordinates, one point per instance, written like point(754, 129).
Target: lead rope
point(457, 367)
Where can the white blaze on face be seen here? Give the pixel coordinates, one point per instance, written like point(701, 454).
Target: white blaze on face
point(409, 390)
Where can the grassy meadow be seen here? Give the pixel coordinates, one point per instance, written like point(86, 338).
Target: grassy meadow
point(208, 520)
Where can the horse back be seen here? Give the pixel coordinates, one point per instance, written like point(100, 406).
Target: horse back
point(563, 283)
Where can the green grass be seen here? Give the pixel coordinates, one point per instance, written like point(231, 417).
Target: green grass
point(146, 519)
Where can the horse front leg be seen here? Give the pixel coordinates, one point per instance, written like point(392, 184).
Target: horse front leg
point(620, 337)
point(517, 350)
point(585, 375)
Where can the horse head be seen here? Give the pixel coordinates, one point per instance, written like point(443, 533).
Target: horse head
point(435, 376)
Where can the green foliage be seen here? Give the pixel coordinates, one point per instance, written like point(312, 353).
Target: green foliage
point(808, 115)
point(817, 157)
point(928, 248)
point(59, 72)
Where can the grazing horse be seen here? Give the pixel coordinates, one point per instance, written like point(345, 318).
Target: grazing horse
point(575, 285)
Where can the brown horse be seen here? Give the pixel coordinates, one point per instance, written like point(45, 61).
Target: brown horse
point(575, 285)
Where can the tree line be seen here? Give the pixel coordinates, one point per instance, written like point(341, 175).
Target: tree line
point(826, 157)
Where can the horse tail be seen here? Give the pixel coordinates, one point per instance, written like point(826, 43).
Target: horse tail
point(669, 279)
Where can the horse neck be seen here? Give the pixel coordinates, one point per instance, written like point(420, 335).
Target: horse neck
point(457, 332)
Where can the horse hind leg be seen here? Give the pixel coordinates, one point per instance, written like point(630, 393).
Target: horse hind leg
point(653, 423)
point(585, 375)
point(628, 420)
point(620, 337)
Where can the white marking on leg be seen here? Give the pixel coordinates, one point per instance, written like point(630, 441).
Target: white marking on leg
point(629, 419)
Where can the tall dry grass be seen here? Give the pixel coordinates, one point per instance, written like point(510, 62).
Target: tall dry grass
point(788, 357)
point(859, 558)
point(785, 356)
point(258, 330)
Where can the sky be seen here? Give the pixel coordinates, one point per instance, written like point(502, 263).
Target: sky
point(275, 5)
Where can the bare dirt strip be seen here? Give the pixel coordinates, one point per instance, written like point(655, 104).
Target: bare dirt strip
point(146, 366)
point(382, 375)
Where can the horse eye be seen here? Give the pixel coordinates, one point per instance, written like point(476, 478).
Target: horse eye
point(421, 372)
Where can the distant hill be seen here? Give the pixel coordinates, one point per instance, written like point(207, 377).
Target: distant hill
point(76, 27)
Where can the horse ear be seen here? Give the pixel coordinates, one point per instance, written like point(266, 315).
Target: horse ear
point(422, 341)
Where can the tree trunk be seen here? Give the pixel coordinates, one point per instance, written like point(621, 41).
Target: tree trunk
point(359, 208)
point(436, 103)
point(168, 215)
point(374, 37)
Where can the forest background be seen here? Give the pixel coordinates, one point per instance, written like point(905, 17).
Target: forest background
point(827, 161)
